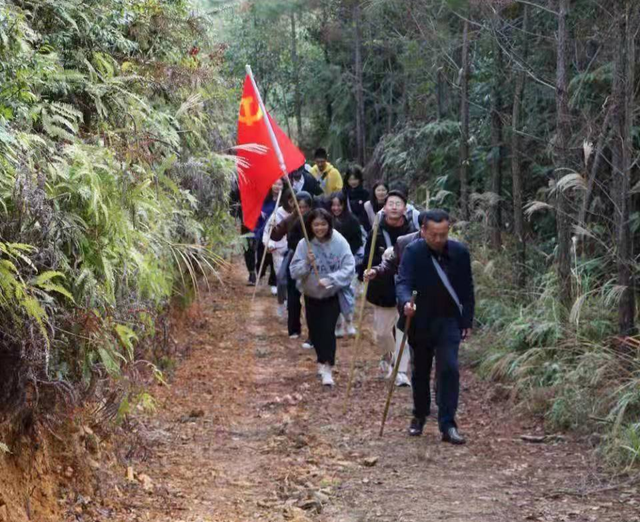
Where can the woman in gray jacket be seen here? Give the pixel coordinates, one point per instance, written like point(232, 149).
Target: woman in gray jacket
point(336, 267)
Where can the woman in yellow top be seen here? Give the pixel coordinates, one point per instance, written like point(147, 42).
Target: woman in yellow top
point(327, 175)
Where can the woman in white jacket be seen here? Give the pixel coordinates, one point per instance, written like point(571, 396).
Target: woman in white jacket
point(278, 250)
point(336, 267)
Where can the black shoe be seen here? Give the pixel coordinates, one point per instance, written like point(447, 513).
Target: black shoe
point(452, 436)
point(252, 279)
point(416, 427)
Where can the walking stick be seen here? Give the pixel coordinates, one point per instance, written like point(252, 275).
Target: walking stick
point(356, 348)
point(269, 227)
point(396, 366)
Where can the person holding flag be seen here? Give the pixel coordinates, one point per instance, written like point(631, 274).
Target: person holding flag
point(264, 154)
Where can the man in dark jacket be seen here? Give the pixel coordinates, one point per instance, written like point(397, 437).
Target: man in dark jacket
point(303, 181)
point(382, 293)
point(439, 270)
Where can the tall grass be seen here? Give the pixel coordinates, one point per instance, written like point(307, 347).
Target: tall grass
point(566, 365)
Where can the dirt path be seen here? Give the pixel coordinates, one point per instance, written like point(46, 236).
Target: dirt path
point(246, 433)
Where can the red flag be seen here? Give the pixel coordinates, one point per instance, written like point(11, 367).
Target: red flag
point(262, 170)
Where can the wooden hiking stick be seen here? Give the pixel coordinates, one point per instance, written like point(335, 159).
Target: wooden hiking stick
point(356, 348)
point(396, 366)
point(269, 227)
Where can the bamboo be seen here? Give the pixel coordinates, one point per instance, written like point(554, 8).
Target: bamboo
point(356, 348)
point(396, 366)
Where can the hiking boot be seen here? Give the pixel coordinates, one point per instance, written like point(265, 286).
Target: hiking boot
point(402, 380)
point(307, 345)
point(452, 436)
point(327, 378)
point(416, 427)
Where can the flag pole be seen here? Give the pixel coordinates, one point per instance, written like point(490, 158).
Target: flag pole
point(283, 166)
point(269, 228)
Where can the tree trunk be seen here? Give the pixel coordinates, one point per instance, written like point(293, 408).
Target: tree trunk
point(440, 93)
point(359, 88)
point(495, 218)
point(563, 157)
point(622, 162)
point(516, 159)
point(296, 76)
point(327, 97)
point(464, 125)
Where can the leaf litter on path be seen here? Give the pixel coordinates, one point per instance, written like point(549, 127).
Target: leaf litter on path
point(249, 434)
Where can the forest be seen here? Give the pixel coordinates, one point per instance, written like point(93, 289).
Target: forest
point(117, 132)
point(516, 116)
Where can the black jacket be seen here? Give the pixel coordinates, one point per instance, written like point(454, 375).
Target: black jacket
point(311, 184)
point(417, 272)
point(356, 199)
point(349, 227)
point(382, 291)
point(389, 267)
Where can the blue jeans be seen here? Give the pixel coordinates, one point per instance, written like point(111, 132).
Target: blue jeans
point(440, 338)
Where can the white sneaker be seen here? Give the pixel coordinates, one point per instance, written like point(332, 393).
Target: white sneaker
point(385, 369)
point(274, 290)
point(402, 380)
point(321, 369)
point(351, 330)
point(307, 345)
point(294, 336)
point(339, 331)
point(327, 378)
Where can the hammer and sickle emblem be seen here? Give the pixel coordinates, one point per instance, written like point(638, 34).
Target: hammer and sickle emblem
point(246, 115)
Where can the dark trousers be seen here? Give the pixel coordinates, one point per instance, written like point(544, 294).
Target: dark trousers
point(294, 308)
point(439, 339)
point(322, 316)
point(249, 251)
point(268, 264)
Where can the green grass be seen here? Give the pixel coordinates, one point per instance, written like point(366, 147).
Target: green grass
point(562, 364)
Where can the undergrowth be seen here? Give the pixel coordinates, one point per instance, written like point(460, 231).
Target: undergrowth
point(566, 365)
point(113, 183)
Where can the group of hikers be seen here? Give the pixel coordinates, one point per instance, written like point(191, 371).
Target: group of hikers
point(416, 271)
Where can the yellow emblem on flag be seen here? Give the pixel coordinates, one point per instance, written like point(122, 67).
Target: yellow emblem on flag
point(246, 115)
